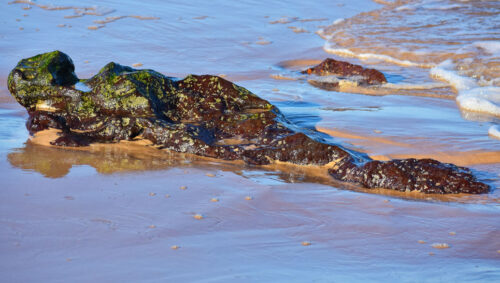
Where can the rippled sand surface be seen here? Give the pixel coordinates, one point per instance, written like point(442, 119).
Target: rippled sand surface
point(129, 212)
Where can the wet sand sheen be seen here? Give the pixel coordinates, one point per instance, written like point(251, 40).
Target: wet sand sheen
point(418, 150)
point(141, 149)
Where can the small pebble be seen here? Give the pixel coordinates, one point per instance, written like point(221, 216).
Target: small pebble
point(61, 25)
point(306, 243)
point(214, 199)
point(275, 89)
point(183, 187)
point(21, 28)
point(137, 65)
point(440, 245)
point(152, 226)
point(386, 200)
point(421, 242)
point(452, 233)
point(431, 253)
point(377, 131)
point(175, 247)
point(86, 61)
point(263, 42)
point(152, 194)
point(198, 216)
point(69, 197)
point(167, 195)
point(210, 175)
point(248, 198)
point(498, 251)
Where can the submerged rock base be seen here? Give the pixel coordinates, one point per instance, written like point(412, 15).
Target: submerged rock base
point(203, 115)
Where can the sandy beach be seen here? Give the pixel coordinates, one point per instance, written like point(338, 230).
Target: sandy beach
point(132, 212)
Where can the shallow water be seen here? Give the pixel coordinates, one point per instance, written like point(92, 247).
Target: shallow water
point(65, 212)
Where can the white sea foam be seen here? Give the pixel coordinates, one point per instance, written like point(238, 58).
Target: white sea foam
point(445, 72)
point(494, 131)
point(471, 96)
point(372, 56)
point(404, 8)
point(321, 32)
point(338, 21)
point(481, 99)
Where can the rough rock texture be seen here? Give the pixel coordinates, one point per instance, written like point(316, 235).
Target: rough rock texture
point(340, 72)
point(204, 115)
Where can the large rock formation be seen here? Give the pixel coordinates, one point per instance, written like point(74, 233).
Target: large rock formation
point(204, 115)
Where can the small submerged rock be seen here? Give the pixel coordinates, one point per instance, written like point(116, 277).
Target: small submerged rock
point(197, 114)
point(334, 74)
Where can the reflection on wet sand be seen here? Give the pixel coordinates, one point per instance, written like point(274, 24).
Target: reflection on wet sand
point(56, 162)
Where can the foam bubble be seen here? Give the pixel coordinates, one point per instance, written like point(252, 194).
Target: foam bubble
point(481, 99)
point(338, 21)
point(494, 131)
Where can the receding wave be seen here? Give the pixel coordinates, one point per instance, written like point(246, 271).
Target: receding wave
point(455, 42)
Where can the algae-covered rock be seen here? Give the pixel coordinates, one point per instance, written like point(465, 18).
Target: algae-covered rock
point(204, 115)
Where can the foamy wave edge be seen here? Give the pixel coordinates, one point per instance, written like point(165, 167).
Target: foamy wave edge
point(373, 56)
point(471, 96)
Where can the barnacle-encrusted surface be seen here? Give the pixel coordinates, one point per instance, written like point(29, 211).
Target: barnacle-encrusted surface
point(204, 115)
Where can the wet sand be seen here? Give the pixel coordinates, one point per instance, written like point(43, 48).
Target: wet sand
point(119, 210)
